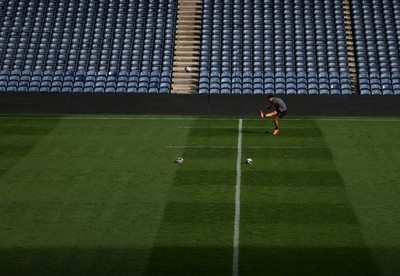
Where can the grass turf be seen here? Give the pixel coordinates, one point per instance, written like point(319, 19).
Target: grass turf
point(101, 195)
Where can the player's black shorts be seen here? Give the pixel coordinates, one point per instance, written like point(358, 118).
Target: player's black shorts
point(281, 114)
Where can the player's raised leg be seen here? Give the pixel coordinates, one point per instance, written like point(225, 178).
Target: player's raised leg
point(267, 115)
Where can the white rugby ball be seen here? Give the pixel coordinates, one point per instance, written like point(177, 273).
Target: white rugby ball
point(179, 160)
point(249, 161)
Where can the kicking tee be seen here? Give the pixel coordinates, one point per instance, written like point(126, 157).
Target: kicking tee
point(279, 104)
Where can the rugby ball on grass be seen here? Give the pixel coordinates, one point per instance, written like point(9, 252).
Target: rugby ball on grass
point(179, 160)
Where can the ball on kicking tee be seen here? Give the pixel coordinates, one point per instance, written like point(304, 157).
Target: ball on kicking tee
point(179, 160)
point(249, 161)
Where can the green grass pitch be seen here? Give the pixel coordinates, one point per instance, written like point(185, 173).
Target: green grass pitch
point(101, 195)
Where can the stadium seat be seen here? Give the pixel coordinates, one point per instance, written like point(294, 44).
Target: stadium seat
point(289, 46)
point(84, 36)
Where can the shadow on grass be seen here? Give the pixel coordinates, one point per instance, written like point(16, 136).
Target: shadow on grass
point(192, 261)
point(19, 136)
point(230, 132)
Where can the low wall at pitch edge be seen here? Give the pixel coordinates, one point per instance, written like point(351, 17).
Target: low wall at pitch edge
point(171, 104)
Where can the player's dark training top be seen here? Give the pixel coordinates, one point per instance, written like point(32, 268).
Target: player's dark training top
point(279, 104)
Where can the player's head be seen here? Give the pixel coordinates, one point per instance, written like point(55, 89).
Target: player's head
point(270, 97)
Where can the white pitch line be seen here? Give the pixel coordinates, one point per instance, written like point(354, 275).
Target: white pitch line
point(261, 127)
point(233, 147)
point(112, 118)
point(345, 119)
point(235, 265)
point(203, 147)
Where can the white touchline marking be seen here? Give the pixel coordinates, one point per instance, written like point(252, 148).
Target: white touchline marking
point(235, 265)
point(233, 147)
point(112, 118)
point(261, 127)
point(338, 119)
point(203, 147)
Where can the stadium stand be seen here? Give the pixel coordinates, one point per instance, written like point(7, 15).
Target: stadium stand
point(282, 47)
point(246, 46)
point(87, 46)
point(377, 36)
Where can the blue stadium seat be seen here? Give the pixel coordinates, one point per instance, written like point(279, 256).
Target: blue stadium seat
point(264, 44)
point(95, 37)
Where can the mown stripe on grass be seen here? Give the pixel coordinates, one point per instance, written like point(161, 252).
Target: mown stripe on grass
point(210, 152)
point(289, 153)
point(290, 216)
point(294, 177)
point(23, 129)
point(19, 136)
point(315, 235)
point(204, 177)
point(274, 165)
point(14, 150)
point(296, 194)
point(70, 260)
point(197, 213)
point(184, 231)
point(2, 172)
point(190, 260)
point(104, 188)
point(260, 178)
point(216, 132)
point(202, 193)
point(287, 132)
point(268, 213)
point(196, 219)
point(198, 151)
point(205, 193)
point(307, 261)
point(256, 132)
point(298, 213)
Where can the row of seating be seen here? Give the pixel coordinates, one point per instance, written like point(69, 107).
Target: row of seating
point(85, 81)
point(79, 87)
point(376, 27)
point(247, 46)
point(287, 37)
point(269, 83)
point(88, 35)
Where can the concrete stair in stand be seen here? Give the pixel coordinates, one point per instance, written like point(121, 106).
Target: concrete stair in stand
point(187, 47)
point(351, 57)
